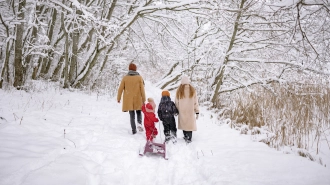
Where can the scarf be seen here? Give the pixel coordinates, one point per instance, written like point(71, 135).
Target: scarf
point(132, 73)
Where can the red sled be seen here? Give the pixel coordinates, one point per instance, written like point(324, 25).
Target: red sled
point(155, 148)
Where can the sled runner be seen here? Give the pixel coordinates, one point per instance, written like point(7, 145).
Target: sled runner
point(155, 148)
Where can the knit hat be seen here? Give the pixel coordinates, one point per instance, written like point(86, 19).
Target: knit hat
point(149, 108)
point(153, 105)
point(165, 93)
point(132, 67)
point(185, 80)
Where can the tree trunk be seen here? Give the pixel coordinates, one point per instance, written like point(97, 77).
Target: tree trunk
point(56, 74)
point(66, 55)
point(74, 57)
point(35, 70)
point(33, 39)
point(88, 66)
point(66, 62)
point(112, 7)
point(220, 75)
point(108, 17)
point(103, 65)
point(18, 62)
point(60, 61)
point(45, 62)
point(5, 68)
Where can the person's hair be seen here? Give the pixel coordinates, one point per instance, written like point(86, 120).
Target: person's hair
point(180, 91)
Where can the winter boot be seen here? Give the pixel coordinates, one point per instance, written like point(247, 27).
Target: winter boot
point(140, 127)
point(173, 133)
point(167, 138)
point(188, 141)
point(186, 138)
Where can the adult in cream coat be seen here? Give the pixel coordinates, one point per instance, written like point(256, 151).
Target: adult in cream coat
point(186, 102)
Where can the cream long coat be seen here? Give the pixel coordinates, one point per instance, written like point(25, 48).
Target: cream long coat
point(132, 88)
point(188, 107)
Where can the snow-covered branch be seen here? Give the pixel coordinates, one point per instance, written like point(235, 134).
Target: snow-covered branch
point(251, 83)
point(289, 63)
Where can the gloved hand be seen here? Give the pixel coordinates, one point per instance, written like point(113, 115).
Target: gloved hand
point(197, 116)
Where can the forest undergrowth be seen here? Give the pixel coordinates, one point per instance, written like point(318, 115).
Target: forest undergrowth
point(293, 117)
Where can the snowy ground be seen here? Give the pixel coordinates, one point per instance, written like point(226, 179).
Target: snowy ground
point(98, 147)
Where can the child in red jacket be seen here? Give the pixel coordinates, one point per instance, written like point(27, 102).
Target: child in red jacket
point(150, 119)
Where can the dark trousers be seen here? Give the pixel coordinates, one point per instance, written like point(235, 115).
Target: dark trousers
point(132, 117)
point(169, 126)
point(187, 134)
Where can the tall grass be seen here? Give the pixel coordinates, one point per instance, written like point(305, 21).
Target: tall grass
point(297, 114)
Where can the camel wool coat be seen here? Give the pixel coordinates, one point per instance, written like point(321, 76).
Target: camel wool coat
point(132, 88)
point(188, 107)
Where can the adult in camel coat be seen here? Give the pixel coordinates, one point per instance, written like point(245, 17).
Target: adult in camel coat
point(132, 89)
point(186, 102)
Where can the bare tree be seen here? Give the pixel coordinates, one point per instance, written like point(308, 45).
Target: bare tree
point(19, 61)
point(6, 42)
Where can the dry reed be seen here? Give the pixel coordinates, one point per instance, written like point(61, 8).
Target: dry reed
point(297, 114)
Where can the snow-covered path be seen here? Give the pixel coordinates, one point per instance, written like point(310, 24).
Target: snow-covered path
point(98, 148)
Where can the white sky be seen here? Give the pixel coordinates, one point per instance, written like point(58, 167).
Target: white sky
point(99, 149)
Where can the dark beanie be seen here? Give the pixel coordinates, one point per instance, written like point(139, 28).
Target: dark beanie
point(132, 67)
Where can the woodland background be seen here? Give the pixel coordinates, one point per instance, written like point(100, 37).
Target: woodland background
point(260, 63)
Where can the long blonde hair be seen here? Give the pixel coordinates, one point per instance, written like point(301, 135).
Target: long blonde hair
point(180, 91)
